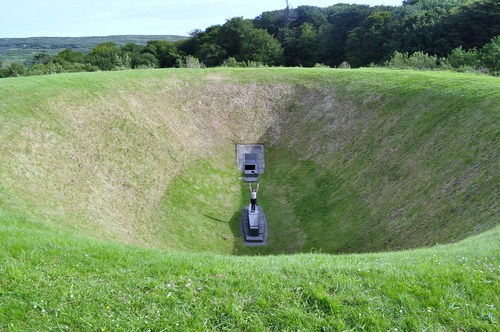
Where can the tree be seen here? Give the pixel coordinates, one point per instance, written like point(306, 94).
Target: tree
point(237, 39)
point(459, 58)
point(164, 51)
point(69, 56)
point(41, 58)
point(410, 2)
point(232, 34)
point(3, 72)
point(367, 43)
point(315, 16)
point(342, 20)
point(475, 23)
point(261, 47)
point(270, 21)
point(104, 56)
point(211, 54)
point(144, 60)
point(303, 48)
point(490, 55)
point(15, 69)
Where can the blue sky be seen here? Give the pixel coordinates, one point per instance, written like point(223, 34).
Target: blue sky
point(29, 18)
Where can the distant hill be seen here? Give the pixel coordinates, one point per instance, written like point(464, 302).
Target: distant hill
point(22, 49)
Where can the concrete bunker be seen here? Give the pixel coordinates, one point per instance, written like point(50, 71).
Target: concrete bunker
point(250, 159)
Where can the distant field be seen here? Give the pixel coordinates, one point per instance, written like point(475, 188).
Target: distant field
point(22, 49)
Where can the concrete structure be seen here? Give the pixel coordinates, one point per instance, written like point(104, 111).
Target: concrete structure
point(254, 226)
point(250, 158)
point(250, 167)
point(253, 220)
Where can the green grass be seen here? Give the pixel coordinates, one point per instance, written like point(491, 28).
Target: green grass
point(55, 281)
point(358, 160)
point(120, 200)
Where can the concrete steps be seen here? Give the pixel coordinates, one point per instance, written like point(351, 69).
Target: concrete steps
point(259, 239)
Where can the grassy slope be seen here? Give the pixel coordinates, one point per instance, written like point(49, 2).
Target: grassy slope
point(363, 160)
point(101, 154)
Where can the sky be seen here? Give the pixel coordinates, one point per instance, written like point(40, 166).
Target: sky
point(69, 18)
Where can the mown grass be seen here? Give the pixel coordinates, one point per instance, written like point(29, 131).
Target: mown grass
point(53, 280)
point(120, 201)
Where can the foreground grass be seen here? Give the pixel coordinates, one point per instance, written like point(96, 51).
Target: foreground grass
point(51, 280)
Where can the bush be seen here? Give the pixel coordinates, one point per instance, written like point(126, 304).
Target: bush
point(418, 60)
point(189, 62)
point(344, 65)
point(459, 58)
point(15, 69)
point(38, 69)
point(489, 55)
point(231, 62)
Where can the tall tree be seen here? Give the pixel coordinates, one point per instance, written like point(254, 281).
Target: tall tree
point(103, 56)
point(342, 20)
point(367, 43)
point(69, 56)
point(41, 58)
point(165, 52)
point(260, 46)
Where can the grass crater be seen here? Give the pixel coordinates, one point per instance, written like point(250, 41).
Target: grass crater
point(356, 160)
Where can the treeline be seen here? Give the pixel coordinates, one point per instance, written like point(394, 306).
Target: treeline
point(451, 34)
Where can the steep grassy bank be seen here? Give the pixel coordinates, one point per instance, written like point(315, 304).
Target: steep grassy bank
point(361, 160)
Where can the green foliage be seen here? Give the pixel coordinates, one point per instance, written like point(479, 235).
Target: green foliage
point(490, 55)
point(343, 19)
point(166, 52)
point(417, 60)
point(238, 39)
point(144, 60)
point(104, 56)
point(366, 43)
point(69, 56)
point(259, 46)
point(45, 69)
point(459, 58)
point(233, 63)
point(344, 65)
point(304, 51)
point(359, 34)
point(211, 54)
point(15, 69)
point(189, 62)
point(123, 61)
point(41, 58)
